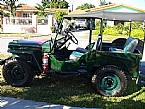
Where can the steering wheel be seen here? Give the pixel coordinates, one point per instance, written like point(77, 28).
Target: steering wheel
point(72, 37)
point(99, 42)
point(67, 36)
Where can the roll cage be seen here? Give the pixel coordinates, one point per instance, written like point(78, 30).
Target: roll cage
point(111, 16)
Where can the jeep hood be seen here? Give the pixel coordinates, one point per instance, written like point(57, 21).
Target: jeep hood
point(37, 41)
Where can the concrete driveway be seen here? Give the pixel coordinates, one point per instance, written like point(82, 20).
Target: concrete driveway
point(13, 103)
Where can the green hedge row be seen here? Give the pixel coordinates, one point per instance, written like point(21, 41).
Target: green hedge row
point(120, 29)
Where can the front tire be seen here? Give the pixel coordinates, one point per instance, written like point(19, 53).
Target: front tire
point(109, 81)
point(17, 73)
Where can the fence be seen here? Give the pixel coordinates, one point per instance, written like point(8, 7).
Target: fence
point(18, 21)
point(27, 25)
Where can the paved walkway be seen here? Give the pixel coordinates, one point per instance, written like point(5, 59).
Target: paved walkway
point(13, 103)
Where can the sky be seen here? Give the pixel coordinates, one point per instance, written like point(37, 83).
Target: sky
point(134, 3)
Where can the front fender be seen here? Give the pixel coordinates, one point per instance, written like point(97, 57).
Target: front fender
point(31, 60)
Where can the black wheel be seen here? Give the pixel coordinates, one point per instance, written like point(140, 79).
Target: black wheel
point(17, 73)
point(109, 81)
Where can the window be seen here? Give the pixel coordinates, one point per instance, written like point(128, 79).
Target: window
point(27, 14)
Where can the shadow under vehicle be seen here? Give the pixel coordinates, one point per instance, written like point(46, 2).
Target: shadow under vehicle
point(108, 65)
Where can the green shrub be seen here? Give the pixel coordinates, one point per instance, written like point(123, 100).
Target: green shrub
point(96, 31)
point(111, 31)
point(136, 25)
point(120, 28)
point(52, 29)
point(137, 33)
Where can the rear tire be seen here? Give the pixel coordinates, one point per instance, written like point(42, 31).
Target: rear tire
point(17, 73)
point(109, 81)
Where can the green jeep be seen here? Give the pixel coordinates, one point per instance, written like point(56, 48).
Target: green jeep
point(108, 65)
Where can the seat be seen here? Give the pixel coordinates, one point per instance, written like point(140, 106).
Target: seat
point(84, 50)
point(80, 51)
point(130, 45)
point(75, 55)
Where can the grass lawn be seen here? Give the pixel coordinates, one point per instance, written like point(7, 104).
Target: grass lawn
point(74, 91)
point(105, 37)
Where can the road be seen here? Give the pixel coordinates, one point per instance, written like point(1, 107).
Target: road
point(4, 43)
point(81, 36)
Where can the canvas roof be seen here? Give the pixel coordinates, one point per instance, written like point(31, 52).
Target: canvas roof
point(111, 16)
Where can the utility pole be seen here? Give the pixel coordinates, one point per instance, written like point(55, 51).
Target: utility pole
point(72, 8)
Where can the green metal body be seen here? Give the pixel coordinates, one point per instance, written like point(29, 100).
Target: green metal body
point(95, 59)
point(32, 52)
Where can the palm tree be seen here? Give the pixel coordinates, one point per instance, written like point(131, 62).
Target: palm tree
point(41, 10)
point(11, 5)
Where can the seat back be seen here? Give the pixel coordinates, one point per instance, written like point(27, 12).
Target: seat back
point(130, 45)
point(97, 45)
point(129, 39)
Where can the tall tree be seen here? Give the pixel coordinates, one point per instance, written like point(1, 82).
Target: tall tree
point(63, 4)
point(59, 15)
point(11, 5)
point(41, 10)
point(50, 4)
point(103, 2)
point(56, 3)
point(85, 6)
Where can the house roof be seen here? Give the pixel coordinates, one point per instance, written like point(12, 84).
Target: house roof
point(110, 16)
point(27, 8)
point(105, 7)
point(78, 11)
